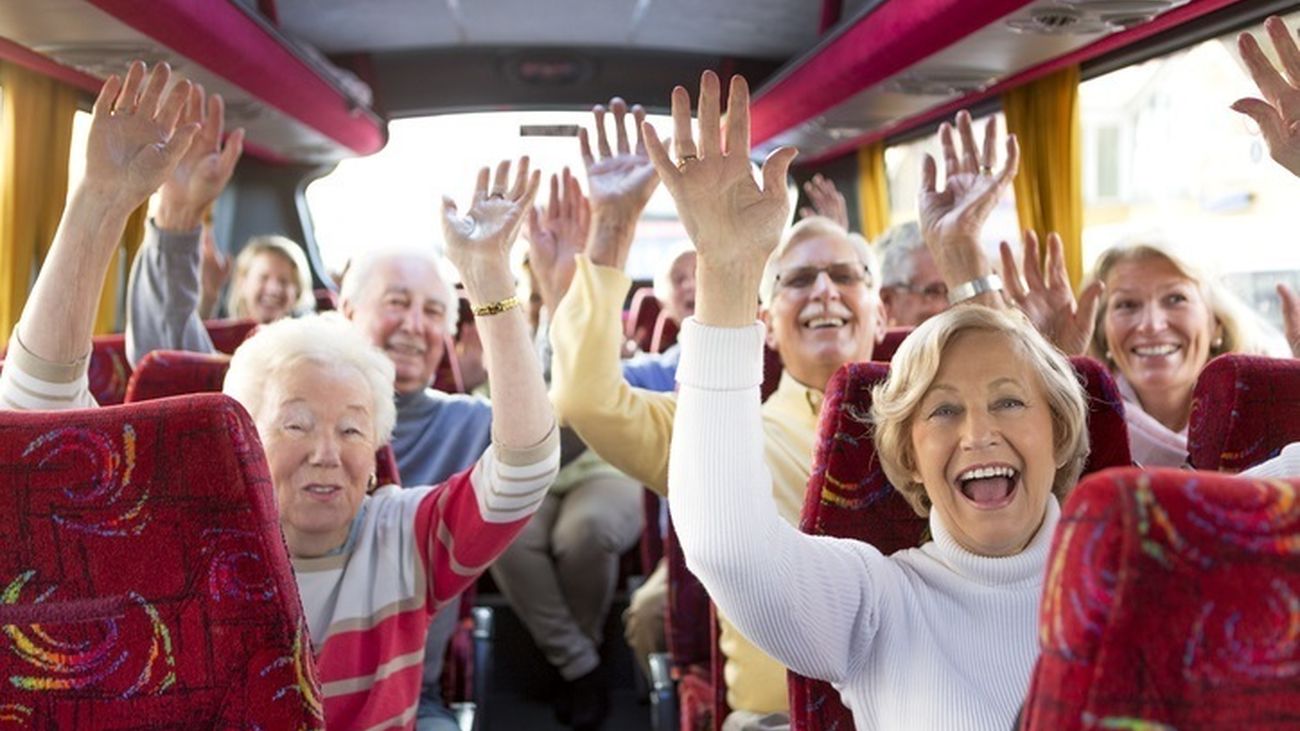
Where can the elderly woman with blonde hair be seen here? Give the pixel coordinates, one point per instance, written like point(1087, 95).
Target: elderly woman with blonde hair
point(373, 562)
point(980, 423)
point(271, 280)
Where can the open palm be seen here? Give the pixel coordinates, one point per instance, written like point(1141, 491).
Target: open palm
point(1045, 296)
point(1278, 114)
point(483, 236)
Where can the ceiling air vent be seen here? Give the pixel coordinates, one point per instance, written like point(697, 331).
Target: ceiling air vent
point(1055, 21)
point(242, 111)
point(941, 82)
point(1123, 14)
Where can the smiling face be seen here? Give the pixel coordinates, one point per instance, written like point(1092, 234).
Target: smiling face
point(1158, 326)
point(820, 320)
point(318, 432)
point(924, 296)
point(269, 288)
point(982, 440)
point(403, 311)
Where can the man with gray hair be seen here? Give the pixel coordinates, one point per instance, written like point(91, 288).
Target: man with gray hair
point(911, 288)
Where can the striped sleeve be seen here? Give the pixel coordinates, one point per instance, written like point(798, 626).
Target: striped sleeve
point(31, 383)
point(469, 520)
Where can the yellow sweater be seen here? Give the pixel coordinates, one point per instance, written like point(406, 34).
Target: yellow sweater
point(632, 428)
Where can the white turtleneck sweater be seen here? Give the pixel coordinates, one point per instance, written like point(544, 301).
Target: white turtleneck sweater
point(929, 638)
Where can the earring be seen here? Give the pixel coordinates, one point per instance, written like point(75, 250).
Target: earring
point(1110, 356)
point(371, 483)
point(1218, 343)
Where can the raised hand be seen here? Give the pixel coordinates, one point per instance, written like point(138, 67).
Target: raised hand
point(556, 233)
point(725, 212)
point(1278, 113)
point(827, 201)
point(620, 181)
point(951, 219)
point(479, 242)
point(204, 169)
point(1046, 298)
point(134, 141)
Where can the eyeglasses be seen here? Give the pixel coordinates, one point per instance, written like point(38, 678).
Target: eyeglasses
point(933, 291)
point(842, 274)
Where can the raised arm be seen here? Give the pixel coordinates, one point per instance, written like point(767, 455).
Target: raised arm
point(629, 428)
point(133, 145)
point(1044, 295)
point(806, 601)
point(1278, 117)
point(164, 291)
point(478, 244)
point(556, 234)
point(952, 218)
point(827, 201)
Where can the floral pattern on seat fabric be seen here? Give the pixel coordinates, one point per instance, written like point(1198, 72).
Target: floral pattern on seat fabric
point(144, 582)
point(1172, 601)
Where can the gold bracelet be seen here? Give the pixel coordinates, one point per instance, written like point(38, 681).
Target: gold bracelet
point(496, 308)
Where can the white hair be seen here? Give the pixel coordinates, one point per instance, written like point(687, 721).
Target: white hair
point(327, 339)
point(814, 227)
point(359, 273)
point(898, 249)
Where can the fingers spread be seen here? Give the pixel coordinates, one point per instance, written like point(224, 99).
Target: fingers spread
point(1011, 274)
point(1012, 165)
point(481, 184)
point(1058, 277)
point(683, 140)
point(969, 158)
point(553, 203)
point(668, 172)
point(230, 155)
point(775, 169)
point(949, 147)
point(619, 107)
point(738, 117)
point(501, 180)
point(107, 95)
point(1033, 263)
point(1089, 302)
point(584, 145)
point(990, 152)
point(929, 173)
point(127, 98)
point(1285, 44)
point(602, 138)
point(153, 91)
point(1267, 117)
point(638, 118)
point(175, 102)
point(710, 115)
point(1269, 81)
point(521, 178)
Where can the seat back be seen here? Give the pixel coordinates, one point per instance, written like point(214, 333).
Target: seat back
point(888, 345)
point(327, 300)
point(1172, 600)
point(165, 373)
point(109, 370)
point(687, 629)
point(227, 335)
point(1244, 410)
point(642, 314)
point(665, 333)
point(849, 497)
point(146, 580)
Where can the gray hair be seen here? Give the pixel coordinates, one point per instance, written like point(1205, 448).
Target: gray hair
point(327, 339)
point(898, 249)
point(285, 247)
point(360, 270)
point(814, 227)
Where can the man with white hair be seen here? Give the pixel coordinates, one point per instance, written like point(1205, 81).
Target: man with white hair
point(911, 287)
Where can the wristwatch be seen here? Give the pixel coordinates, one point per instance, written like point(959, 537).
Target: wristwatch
point(974, 288)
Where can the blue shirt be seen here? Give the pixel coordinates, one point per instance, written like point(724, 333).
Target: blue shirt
point(654, 371)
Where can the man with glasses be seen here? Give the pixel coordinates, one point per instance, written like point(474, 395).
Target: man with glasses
point(911, 288)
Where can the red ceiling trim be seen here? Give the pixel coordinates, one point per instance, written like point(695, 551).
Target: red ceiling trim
point(33, 61)
point(221, 38)
point(891, 38)
point(1100, 48)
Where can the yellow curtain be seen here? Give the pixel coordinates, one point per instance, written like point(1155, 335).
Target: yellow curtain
point(35, 136)
point(1044, 115)
point(111, 297)
point(873, 190)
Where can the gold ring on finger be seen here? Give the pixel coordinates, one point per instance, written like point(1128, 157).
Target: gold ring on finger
point(497, 194)
point(681, 164)
point(986, 169)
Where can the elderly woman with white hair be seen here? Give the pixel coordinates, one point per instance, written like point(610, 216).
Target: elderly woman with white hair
point(322, 398)
point(981, 424)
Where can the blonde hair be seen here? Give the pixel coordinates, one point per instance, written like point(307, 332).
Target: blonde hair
point(326, 339)
point(306, 301)
point(815, 227)
point(1242, 330)
point(917, 362)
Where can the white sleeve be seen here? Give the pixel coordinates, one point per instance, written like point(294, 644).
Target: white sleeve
point(31, 383)
point(1285, 464)
point(812, 603)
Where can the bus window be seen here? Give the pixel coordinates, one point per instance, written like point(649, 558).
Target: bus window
point(1164, 157)
point(400, 188)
